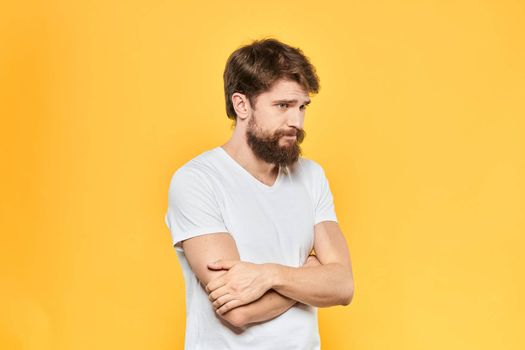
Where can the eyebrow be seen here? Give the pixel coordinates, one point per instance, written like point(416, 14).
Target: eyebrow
point(307, 102)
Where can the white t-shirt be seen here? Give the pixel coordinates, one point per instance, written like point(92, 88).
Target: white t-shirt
point(213, 193)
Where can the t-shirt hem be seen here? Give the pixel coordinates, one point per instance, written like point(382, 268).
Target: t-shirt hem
point(325, 218)
point(197, 232)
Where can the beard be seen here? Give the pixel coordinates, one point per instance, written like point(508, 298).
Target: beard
point(267, 148)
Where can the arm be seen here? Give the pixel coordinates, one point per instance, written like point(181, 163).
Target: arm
point(328, 284)
point(200, 250)
point(270, 305)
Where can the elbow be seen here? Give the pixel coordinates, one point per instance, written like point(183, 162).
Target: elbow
point(235, 318)
point(348, 295)
point(347, 299)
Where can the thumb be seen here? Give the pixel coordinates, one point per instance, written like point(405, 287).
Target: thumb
point(222, 264)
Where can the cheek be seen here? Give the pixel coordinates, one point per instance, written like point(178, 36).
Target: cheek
point(271, 121)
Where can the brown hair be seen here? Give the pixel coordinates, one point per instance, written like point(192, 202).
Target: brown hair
point(252, 69)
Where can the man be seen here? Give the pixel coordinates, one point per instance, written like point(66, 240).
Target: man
point(245, 216)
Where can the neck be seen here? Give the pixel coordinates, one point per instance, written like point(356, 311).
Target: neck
point(237, 147)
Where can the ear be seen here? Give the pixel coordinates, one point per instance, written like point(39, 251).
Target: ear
point(241, 104)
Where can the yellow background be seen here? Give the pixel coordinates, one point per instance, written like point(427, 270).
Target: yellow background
point(419, 125)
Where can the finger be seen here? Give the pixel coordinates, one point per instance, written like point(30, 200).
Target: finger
point(222, 264)
point(219, 292)
point(214, 284)
point(222, 300)
point(228, 306)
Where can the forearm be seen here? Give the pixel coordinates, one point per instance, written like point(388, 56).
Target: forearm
point(322, 286)
point(270, 305)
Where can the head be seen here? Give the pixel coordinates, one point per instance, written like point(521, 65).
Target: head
point(267, 87)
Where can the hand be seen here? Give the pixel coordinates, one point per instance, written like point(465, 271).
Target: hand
point(243, 283)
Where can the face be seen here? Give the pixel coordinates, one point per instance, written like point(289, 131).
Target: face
point(275, 127)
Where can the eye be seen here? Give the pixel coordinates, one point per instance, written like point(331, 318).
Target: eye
point(283, 105)
point(303, 107)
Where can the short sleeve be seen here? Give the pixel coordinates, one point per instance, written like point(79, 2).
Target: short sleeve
point(324, 202)
point(192, 207)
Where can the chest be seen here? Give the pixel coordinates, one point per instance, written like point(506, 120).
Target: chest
point(270, 226)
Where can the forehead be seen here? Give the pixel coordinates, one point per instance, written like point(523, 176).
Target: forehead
point(285, 89)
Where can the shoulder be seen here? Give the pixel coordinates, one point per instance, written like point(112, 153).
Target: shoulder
point(202, 164)
point(195, 171)
point(308, 168)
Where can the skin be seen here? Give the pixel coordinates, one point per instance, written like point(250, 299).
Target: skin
point(282, 108)
point(329, 284)
point(241, 292)
point(201, 249)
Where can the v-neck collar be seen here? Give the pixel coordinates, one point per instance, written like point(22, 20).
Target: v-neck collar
point(249, 175)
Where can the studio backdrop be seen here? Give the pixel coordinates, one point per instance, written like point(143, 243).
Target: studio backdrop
point(419, 125)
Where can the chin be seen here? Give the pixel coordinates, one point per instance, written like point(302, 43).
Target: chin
point(287, 146)
point(289, 143)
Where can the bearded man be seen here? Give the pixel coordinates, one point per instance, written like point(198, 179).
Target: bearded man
point(246, 217)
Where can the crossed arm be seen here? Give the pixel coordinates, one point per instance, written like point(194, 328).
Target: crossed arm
point(244, 293)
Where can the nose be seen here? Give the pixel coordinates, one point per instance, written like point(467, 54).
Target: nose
point(296, 118)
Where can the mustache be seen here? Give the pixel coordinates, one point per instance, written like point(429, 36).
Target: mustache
point(299, 133)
